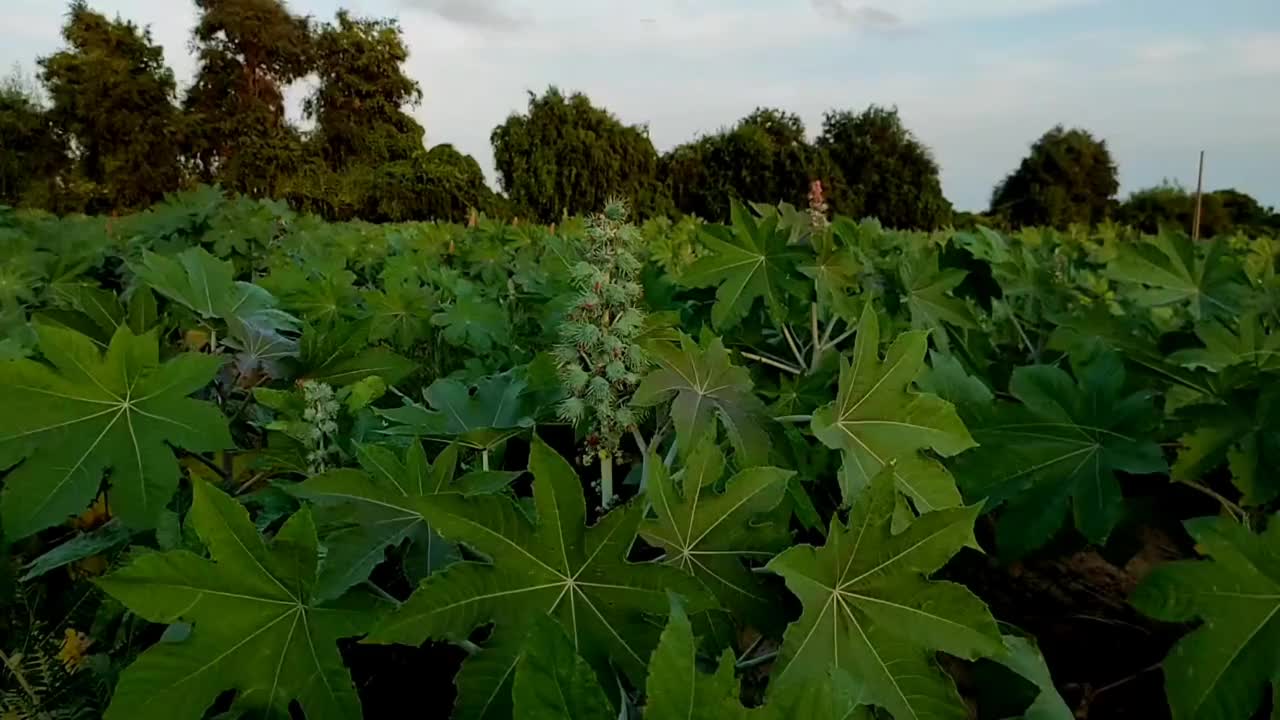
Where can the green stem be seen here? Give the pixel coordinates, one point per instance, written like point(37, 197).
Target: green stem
point(484, 459)
point(793, 418)
point(757, 661)
point(606, 480)
point(22, 680)
point(771, 362)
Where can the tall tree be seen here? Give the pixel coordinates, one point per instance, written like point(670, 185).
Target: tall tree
point(887, 172)
point(1068, 177)
point(359, 106)
point(237, 133)
point(31, 153)
point(763, 158)
point(112, 97)
point(567, 156)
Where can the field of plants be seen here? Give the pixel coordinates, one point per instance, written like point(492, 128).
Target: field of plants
point(255, 464)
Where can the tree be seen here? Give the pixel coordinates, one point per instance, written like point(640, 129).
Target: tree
point(112, 97)
point(763, 158)
point(1068, 177)
point(31, 153)
point(442, 184)
point(888, 174)
point(1222, 212)
point(359, 105)
point(237, 134)
point(566, 156)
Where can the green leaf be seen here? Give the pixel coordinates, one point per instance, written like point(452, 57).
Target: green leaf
point(552, 565)
point(553, 683)
point(143, 312)
point(360, 514)
point(1061, 446)
point(207, 286)
point(257, 627)
point(709, 533)
point(1173, 271)
point(1251, 346)
point(473, 323)
point(877, 421)
point(481, 415)
point(1244, 434)
point(928, 295)
point(750, 260)
point(401, 313)
point(87, 412)
point(870, 611)
point(1023, 657)
point(677, 690)
point(1221, 670)
point(378, 361)
point(109, 536)
point(705, 385)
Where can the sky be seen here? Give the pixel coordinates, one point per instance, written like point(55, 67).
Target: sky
point(976, 80)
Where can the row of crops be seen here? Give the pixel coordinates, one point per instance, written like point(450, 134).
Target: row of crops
point(259, 465)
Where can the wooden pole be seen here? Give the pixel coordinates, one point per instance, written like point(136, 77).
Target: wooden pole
point(1195, 222)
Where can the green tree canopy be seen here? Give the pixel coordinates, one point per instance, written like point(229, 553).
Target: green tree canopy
point(359, 106)
point(887, 173)
point(1068, 177)
point(33, 153)
point(763, 158)
point(112, 96)
point(565, 155)
point(1222, 212)
point(237, 134)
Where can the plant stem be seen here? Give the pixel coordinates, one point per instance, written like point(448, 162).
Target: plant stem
point(756, 661)
point(817, 342)
point(793, 418)
point(795, 349)
point(22, 680)
point(841, 338)
point(769, 361)
point(671, 452)
point(606, 480)
point(484, 459)
point(1236, 511)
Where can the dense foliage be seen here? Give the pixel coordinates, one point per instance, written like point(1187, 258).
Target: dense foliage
point(565, 156)
point(1067, 177)
point(241, 439)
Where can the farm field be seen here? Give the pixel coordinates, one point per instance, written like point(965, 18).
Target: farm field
point(259, 464)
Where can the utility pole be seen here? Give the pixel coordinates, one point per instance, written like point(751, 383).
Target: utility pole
point(1195, 222)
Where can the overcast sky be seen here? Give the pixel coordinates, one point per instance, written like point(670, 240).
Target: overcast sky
point(976, 80)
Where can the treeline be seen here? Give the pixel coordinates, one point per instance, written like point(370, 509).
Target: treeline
point(106, 131)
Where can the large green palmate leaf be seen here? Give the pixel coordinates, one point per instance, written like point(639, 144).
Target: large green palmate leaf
point(360, 514)
point(482, 415)
point(752, 259)
point(206, 285)
point(871, 613)
point(256, 625)
point(877, 421)
point(86, 412)
point(1173, 270)
point(1061, 446)
point(1221, 670)
point(554, 565)
point(928, 295)
point(1242, 433)
point(706, 385)
point(709, 533)
point(553, 682)
point(1250, 346)
point(473, 322)
point(677, 690)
